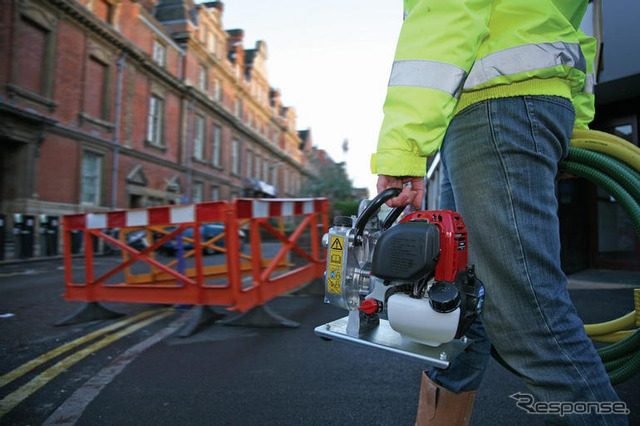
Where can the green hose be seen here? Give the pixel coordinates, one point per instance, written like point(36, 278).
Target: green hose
point(616, 168)
point(620, 349)
point(618, 362)
point(622, 173)
point(629, 369)
point(627, 202)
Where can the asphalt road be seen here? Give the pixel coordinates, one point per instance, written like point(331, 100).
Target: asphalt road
point(227, 375)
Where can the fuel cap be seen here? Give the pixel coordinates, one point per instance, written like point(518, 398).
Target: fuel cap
point(444, 297)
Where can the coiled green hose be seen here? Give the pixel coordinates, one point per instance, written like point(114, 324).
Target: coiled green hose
point(614, 164)
point(627, 202)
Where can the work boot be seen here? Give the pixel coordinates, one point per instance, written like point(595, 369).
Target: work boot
point(440, 407)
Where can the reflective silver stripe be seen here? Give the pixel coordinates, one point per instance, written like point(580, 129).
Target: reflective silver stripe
point(589, 83)
point(528, 57)
point(430, 74)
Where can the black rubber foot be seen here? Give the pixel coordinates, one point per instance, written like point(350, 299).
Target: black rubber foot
point(262, 317)
point(90, 311)
point(201, 316)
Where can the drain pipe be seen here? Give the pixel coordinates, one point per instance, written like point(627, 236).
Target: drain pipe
point(189, 152)
point(116, 130)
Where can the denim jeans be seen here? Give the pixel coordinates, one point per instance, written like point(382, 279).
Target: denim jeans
point(499, 164)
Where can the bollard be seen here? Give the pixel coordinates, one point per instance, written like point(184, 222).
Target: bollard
point(52, 235)
point(42, 232)
point(23, 230)
point(2, 226)
point(48, 235)
point(17, 226)
point(27, 237)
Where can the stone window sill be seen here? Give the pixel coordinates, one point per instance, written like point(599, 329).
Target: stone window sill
point(20, 92)
point(89, 119)
point(154, 145)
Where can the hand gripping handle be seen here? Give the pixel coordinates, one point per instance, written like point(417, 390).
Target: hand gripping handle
point(373, 207)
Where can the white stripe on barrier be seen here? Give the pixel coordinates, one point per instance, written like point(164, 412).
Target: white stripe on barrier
point(287, 209)
point(182, 214)
point(260, 209)
point(308, 207)
point(137, 218)
point(96, 220)
point(186, 214)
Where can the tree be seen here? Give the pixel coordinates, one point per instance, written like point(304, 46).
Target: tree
point(332, 182)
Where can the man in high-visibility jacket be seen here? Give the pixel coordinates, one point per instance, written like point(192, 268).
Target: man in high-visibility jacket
point(497, 87)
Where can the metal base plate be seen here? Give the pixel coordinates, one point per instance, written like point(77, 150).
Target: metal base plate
point(386, 338)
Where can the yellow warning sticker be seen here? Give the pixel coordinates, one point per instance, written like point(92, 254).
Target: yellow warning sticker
point(334, 274)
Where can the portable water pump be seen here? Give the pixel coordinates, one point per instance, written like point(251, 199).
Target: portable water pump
point(407, 287)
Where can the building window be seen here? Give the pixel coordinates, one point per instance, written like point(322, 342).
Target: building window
point(249, 168)
point(212, 43)
point(202, 78)
point(198, 191)
point(217, 90)
point(159, 53)
point(238, 108)
point(215, 193)
point(155, 201)
point(96, 102)
point(235, 157)
point(198, 140)
point(155, 120)
point(30, 63)
point(258, 167)
point(265, 171)
point(90, 179)
point(216, 145)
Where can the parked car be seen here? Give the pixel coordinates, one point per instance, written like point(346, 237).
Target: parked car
point(207, 232)
point(134, 239)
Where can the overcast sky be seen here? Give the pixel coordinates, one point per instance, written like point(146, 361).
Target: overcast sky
point(331, 60)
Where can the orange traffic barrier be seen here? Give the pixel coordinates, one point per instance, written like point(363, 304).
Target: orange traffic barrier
point(239, 278)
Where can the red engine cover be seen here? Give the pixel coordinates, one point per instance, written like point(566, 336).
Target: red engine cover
point(453, 241)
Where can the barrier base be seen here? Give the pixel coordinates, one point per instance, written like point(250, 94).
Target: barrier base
point(263, 317)
point(200, 317)
point(90, 311)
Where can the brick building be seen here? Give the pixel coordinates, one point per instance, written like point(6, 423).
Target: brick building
point(123, 103)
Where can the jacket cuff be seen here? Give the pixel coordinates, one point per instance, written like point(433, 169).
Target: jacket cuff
point(398, 163)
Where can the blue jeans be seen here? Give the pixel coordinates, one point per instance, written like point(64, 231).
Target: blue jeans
point(499, 160)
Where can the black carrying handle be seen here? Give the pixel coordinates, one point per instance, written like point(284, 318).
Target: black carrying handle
point(391, 217)
point(373, 207)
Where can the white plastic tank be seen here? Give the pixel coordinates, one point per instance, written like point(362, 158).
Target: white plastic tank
point(416, 320)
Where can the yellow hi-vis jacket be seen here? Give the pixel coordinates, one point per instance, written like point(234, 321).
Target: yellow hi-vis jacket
point(454, 53)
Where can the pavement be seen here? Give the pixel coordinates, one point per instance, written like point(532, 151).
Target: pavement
point(226, 375)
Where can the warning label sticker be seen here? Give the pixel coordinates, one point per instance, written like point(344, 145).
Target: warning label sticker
point(334, 274)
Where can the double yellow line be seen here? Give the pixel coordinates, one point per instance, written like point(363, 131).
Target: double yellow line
point(26, 390)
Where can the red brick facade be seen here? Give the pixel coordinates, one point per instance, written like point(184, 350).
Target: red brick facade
point(121, 103)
